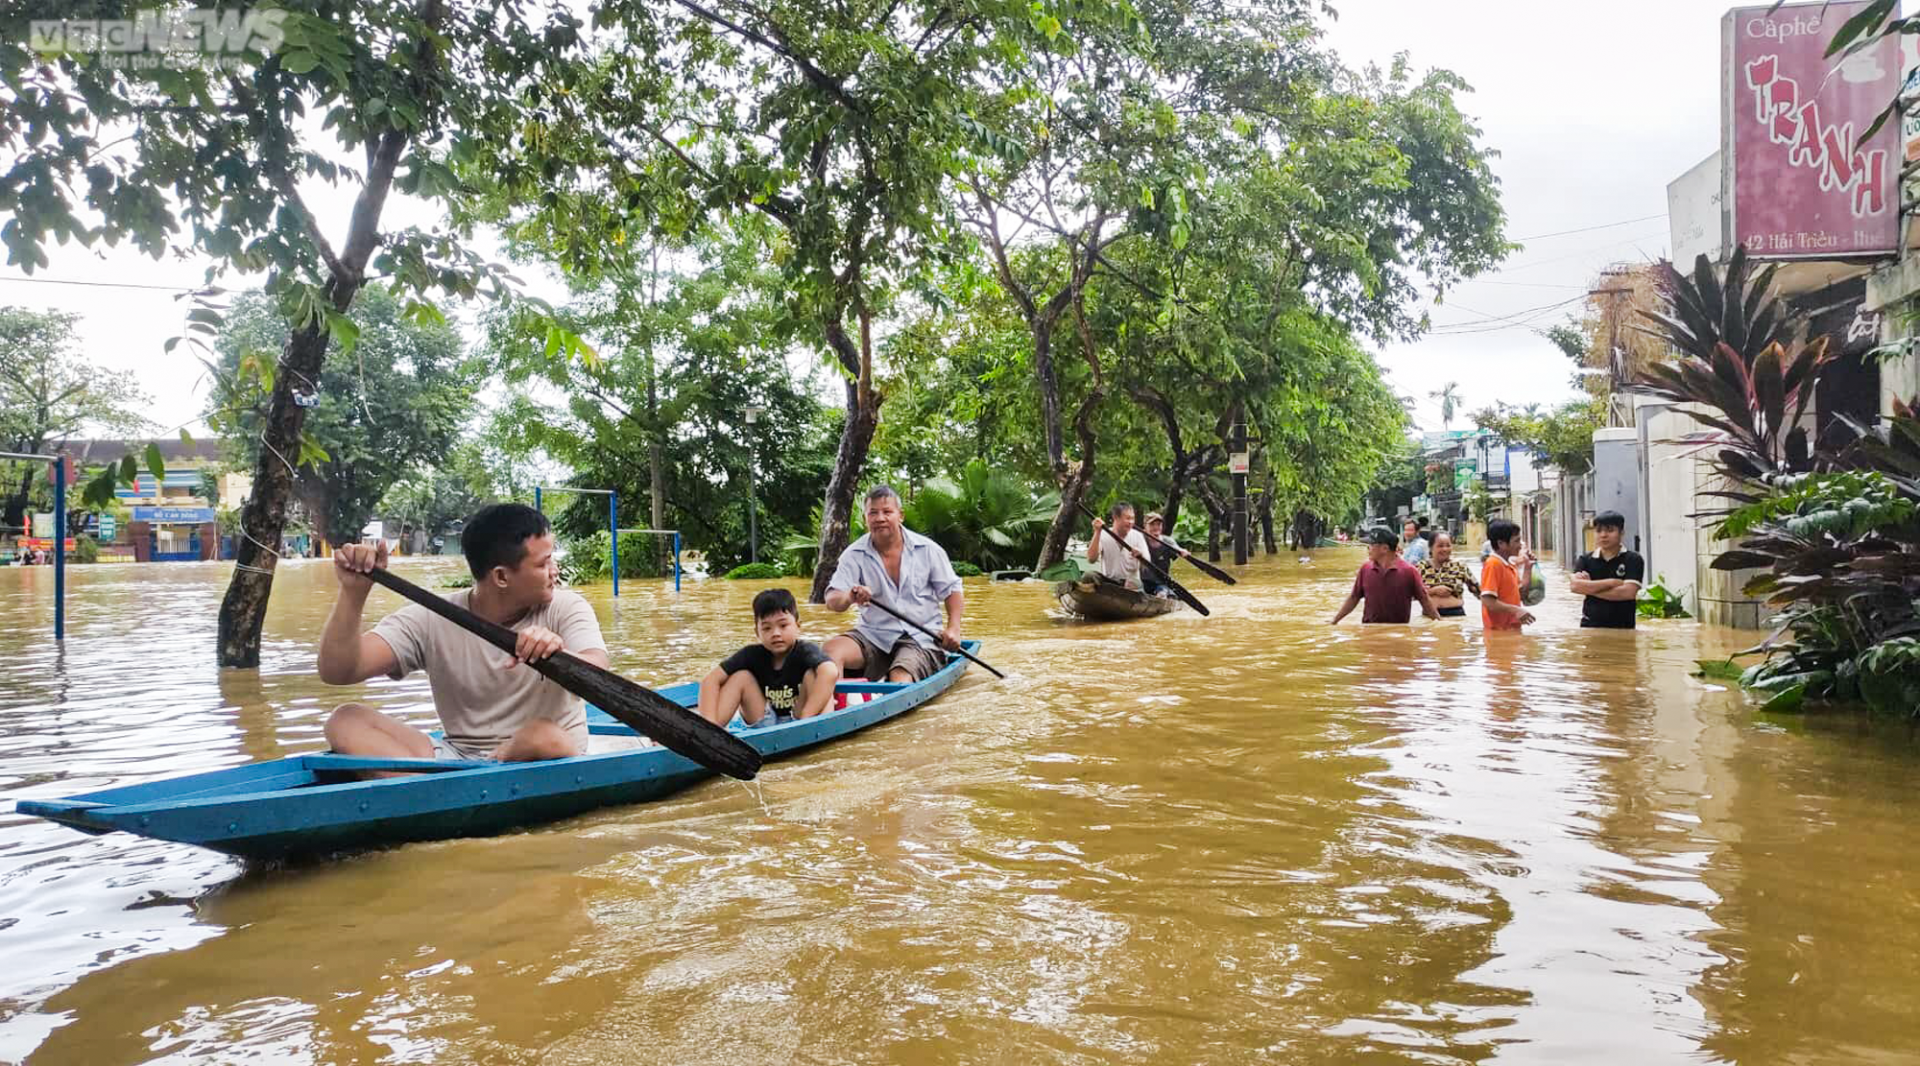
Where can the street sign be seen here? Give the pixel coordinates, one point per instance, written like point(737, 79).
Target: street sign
point(1240, 463)
point(43, 525)
point(107, 527)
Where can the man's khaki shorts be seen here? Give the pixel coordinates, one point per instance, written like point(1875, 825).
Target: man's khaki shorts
point(919, 662)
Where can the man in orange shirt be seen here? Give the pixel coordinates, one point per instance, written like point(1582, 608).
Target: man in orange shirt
point(1502, 576)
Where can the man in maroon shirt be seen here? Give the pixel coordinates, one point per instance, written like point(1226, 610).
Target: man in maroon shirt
point(1387, 583)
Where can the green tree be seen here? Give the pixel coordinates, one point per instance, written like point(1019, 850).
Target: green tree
point(48, 394)
point(837, 122)
point(984, 516)
point(432, 497)
point(209, 160)
point(1449, 397)
point(376, 414)
point(1562, 436)
point(681, 368)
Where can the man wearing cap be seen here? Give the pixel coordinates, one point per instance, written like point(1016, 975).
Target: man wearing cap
point(1387, 583)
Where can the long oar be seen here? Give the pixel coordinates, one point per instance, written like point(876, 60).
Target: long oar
point(1205, 567)
point(1178, 589)
point(648, 712)
point(936, 637)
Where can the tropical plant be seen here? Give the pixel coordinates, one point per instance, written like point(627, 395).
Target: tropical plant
point(985, 517)
point(1659, 601)
point(755, 572)
point(1834, 534)
point(1730, 332)
point(1448, 396)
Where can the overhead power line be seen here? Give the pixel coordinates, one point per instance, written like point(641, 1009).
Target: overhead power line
point(106, 284)
point(1590, 229)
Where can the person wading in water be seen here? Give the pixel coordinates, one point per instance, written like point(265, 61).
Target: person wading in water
point(1447, 579)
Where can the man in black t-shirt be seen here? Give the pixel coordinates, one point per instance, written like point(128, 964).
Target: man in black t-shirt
point(791, 677)
point(1609, 577)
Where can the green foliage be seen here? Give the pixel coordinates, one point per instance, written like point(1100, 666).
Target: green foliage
point(85, 550)
point(1562, 436)
point(459, 581)
point(589, 559)
point(1843, 505)
point(1732, 337)
point(387, 411)
point(685, 354)
point(966, 569)
point(1834, 533)
point(755, 572)
point(1658, 601)
point(985, 517)
point(48, 394)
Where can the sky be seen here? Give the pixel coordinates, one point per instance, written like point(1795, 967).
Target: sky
point(1593, 109)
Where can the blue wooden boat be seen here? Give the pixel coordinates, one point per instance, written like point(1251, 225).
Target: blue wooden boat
point(313, 804)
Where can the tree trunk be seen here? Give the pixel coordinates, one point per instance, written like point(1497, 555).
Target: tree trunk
point(850, 460)
point(1077, 479)
point(255, 551)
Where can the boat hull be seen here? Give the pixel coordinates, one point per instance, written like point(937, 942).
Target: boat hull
point(314, 804)
point(1106, 601)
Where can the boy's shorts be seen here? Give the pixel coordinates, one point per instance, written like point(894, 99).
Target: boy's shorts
point(918, 661)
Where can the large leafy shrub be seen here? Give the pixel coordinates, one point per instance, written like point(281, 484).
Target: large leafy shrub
point(985, 516)
point(1832, 532)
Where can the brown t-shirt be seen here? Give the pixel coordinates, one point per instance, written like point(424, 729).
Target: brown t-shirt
point(1390, 591)
point(481, 703)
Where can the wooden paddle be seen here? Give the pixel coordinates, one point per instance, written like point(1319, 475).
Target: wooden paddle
point(1178, 589)
point(648, 712)
point(936, 637)
point(1202, 565)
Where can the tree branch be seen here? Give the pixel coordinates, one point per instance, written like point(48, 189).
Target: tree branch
point(826, 82)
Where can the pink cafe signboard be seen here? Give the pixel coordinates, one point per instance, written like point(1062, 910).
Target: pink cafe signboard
point(1803, 185)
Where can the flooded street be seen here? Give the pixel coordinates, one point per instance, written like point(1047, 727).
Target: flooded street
point(1249, 838)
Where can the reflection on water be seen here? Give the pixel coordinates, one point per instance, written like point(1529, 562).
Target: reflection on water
point(1247, 838)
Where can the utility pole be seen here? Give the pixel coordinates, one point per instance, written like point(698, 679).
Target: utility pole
point(1615, 416)
point(1237, 463)
point(753, 491)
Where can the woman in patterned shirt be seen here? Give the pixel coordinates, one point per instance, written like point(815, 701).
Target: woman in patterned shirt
point(1447, 581)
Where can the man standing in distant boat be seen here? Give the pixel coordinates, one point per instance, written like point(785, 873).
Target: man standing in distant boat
point(1165, 551)
point(1387, 583)
point(1117, 552)
point(491, 706)
point(907, 572)
point(1609, 577)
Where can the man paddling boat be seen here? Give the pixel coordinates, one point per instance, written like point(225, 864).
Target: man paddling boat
point(1119, 550)
point(489, 706)
point(913, 576)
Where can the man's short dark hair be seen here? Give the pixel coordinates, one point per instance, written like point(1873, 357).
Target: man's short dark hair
point(772, 601)
point(1502, 530)
point(878, 493)
point(497, 535)
point(1384, 537)
point(1610, 520)
point(1119, 508)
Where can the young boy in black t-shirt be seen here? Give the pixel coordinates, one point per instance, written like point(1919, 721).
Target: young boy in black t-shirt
point(1609, 576)
point(791, 677)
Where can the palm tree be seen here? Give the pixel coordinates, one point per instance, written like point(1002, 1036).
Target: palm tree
point(1449, 397)
point(986, 516)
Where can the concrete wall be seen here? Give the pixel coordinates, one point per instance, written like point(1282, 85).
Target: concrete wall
point(1672, 477)
point(1616, 480)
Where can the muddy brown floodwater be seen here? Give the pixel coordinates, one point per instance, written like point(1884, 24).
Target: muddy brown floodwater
point(1248, 838)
